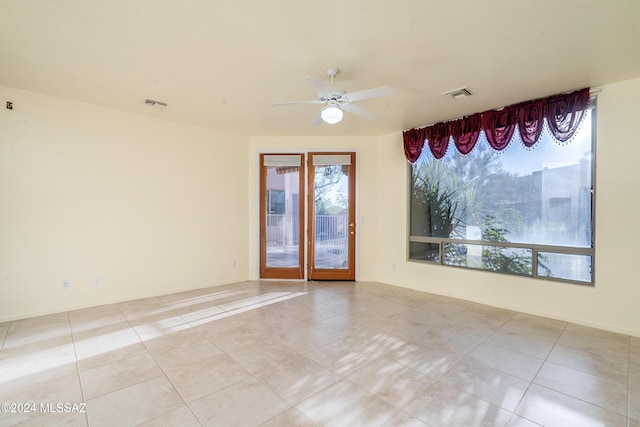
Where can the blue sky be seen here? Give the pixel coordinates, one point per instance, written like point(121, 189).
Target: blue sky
point(524, 161)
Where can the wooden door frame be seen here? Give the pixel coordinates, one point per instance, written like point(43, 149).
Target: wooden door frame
point(331, 274)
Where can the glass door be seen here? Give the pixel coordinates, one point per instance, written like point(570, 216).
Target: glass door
point(281, 223)
point(331, 204)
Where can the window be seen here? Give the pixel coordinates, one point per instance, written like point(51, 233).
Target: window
point(523, 211)
point(275, 202)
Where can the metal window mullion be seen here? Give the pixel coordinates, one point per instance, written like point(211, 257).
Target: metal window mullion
point(540, 248)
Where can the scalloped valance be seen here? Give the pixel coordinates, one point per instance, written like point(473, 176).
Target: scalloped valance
point(563, 114)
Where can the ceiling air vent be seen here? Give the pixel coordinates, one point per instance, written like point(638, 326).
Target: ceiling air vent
point(155, 103)
point(463, 92)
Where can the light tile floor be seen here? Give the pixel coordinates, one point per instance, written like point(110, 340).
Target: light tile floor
point(316, 353)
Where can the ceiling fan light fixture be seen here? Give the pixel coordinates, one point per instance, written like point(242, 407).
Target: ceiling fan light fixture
point(331, 114)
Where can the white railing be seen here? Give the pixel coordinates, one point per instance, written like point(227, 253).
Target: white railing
point(330, 242)
point(331, 227)
point(282, 229)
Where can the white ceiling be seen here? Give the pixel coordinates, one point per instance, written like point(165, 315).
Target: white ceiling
point(221, 63)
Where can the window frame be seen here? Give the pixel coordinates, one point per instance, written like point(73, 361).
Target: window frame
point(534, 248)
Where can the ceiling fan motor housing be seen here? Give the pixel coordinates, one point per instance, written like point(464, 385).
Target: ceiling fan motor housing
point(335, 93)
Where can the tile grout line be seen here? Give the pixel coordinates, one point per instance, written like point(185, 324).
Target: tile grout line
point(546, 358)
point(4, 336)
point(565, 394)
point(206, 338)
point(291, 406)
point(436, 381)
point(628, 363)
point(164, 374)
point(398, 410)
point(251, 374)
point(294, 407)
point(75, 358)
point(126, 319)
point(629, 382)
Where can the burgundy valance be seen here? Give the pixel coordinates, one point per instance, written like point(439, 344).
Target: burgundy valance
point(563, 114)
point(465, 132)
point(413, 143)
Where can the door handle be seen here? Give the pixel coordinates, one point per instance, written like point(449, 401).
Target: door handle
point(352, 232)
point(352, 224)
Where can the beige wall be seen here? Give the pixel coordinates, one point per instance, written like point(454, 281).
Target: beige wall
point(366, 191)
point(148, 205)
point(612, 304)
point(153, 206)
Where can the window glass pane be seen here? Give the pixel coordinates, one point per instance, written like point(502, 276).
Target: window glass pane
point(275, 201)
point(424, 251)
point(565, 266)
point(463, 255)
point(282, 217)
point(331, 209)
point(538, 196)
point(485, 257)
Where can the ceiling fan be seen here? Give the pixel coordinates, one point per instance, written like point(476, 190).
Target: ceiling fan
point(336, 100)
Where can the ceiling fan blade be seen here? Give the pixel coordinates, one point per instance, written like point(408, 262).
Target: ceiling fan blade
point(311, 101)
point(366, 94)
point(323, 92)
point(317, 121)
point(359, 111)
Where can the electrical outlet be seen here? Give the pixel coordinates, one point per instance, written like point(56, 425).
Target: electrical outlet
point(66, 284)
point(96, 280)
point(393, 265)
point(233, 264)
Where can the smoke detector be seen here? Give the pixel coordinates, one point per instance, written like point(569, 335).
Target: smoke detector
point(460, 93)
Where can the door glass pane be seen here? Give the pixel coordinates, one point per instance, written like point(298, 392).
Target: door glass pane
point(331, 202)
point(282, 217)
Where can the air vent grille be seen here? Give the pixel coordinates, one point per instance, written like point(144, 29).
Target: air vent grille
point(462, 92)
point(153, 102)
